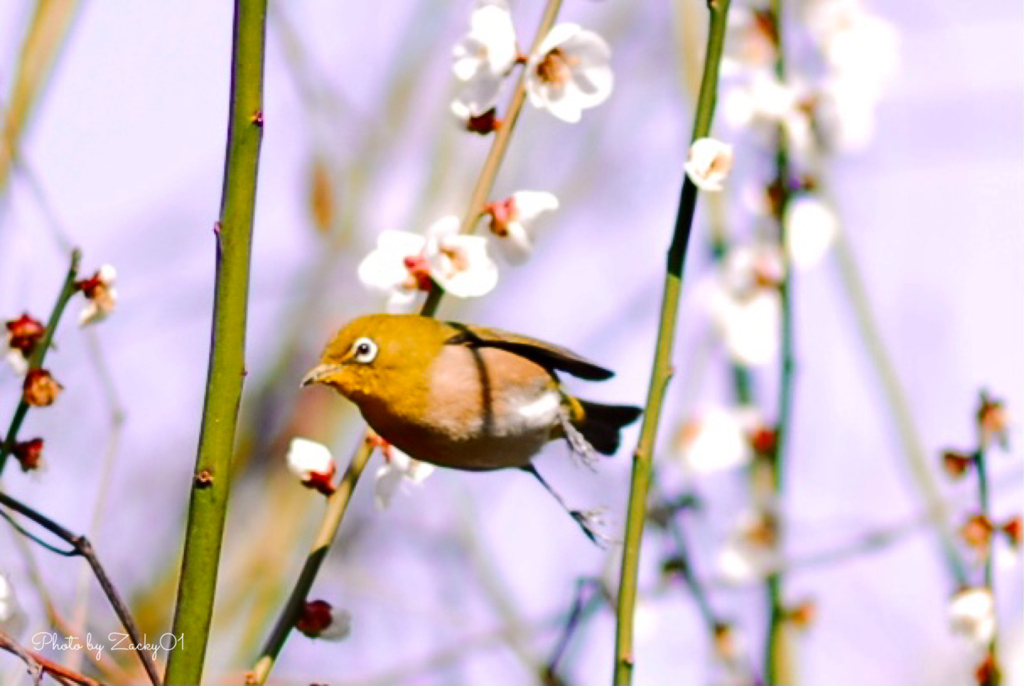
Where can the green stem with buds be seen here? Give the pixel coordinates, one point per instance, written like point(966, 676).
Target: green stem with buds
point(211, 479)
point(39, 354)
point(662, 371)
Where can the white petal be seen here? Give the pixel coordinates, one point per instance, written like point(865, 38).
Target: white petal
point(477, 96)
point(12, 617)
point(417, 472)
point(91, 313)
point(385, 485)
point(492, 24)
point(472, 274)
point(468, 58)
point(515, 246)
point(384, 268)
point(16, 361)
point(530, 204)
point(306, 457)
point(340, 626)
point(716, 440)
point(811, 228)
point(558, 34)
point(751, 327)
point(972, 613)
point(448, 225)
point(108, 274)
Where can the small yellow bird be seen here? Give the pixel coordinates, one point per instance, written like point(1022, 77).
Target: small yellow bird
point(468, 397)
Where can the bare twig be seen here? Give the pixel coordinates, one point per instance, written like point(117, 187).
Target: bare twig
point(82, 547)
point(38, 665)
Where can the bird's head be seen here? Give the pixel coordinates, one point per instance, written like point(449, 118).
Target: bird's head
point(380, 357)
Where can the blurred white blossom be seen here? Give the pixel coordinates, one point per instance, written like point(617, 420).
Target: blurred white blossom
point(718, 438)
point(744, 304)
point(483, 57)
point(811, 227)
point(749, 43)
point(750, 551)
point(972, 612)
point(12, 617)
point(708, 163)
point(512, 218)
point(398, 469)
point(404, 263)
point(570, 72)
point(761, 100)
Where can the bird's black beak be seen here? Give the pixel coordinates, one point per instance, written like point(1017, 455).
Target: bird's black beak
point(320, 372)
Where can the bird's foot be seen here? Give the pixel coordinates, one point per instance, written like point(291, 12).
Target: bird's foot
point(592, 522)
point(579, 447)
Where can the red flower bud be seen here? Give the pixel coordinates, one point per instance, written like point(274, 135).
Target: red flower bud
point(29, 454)
point(317, 619)
point(956, 463)
point(483, 123)
point(24, 333)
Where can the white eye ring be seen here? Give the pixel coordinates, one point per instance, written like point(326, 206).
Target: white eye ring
point(364, 350)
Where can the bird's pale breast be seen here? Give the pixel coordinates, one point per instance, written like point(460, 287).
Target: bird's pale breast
point(486, 409)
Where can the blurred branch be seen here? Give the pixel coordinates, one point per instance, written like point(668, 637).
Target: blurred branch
point(39, 354)
point(777, 659)
point(895, 396)
point(661, 371)
point(337, 502)
point(582, 607)
point(80, 546)
point(233, 234)
point(46, 36)
point(38, 665)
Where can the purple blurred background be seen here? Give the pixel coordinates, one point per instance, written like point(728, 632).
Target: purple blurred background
point(127, 146)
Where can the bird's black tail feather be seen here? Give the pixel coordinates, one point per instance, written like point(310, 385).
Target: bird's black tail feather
point(602, 424)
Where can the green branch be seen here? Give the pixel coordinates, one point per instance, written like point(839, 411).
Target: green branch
point(337, 503)
point(209, 497)
point(39, 354)
point(661, 371)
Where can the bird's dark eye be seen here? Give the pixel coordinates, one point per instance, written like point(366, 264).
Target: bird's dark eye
point(364, 351)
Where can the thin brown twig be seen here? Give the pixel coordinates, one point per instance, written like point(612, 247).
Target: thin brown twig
point(38, 665)
point(82, 547)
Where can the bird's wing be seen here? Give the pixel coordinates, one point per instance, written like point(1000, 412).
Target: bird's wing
point(551, 357)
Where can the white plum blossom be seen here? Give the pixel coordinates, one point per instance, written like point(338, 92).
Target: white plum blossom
point(750, 551)
point(749, 42)
point(761, 100)
point(397, 268)
point(718, 438)
point(398, 469)
point(570, 72)
point(101, 295)
point(405, 263)
point(972, 612)
point(512, 218)
point(459, 264)
point(708, 163)
point(310, 460)
point(484, 56)
point(811, 227)
point(744, 304)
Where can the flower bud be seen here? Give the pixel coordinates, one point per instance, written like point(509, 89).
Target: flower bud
point(100, 292)
point(40, 388)
point(318, 619)
point(993, 423)
point(313, 464)
point(956, 463)
point(29, 454)
point(24, 333)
